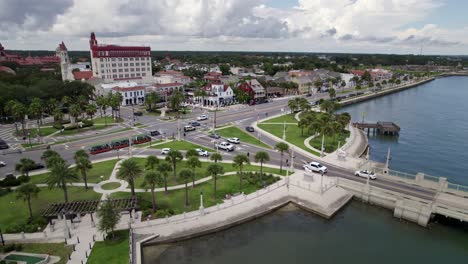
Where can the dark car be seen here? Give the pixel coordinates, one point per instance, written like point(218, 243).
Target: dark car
point(37, 166)
point(194, 123)
point(250, 129)
point(214, 135)
point(155, 133)
point(138, 113)
point(3, 145)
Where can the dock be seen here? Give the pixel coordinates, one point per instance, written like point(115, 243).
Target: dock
point(382, 128)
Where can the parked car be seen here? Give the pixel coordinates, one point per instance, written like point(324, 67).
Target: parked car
point(202, 152)
point(366, 174)
point(188, 128)
point(202, 117)
point(164, 151)
point(155, 133)
point(315, 167)
point(250, 129)
point(138, 113)
point(194, 123)
point(233, 140)
point(214, 135)
point(37, 166)
point(2, 164)
point(3, 144)
point(225, 146)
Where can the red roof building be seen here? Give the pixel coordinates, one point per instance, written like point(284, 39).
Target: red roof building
point(40, 60)
point(212, 76)
point(254, 88)
point(82, 75)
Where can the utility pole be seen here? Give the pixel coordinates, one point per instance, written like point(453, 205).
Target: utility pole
point(284, 130)
point(387, 168)
point(322, 148)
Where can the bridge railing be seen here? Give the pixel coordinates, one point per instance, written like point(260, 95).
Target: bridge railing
point(457, 187)
point(394, 173)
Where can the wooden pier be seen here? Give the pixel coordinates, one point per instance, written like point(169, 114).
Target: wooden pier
point(382, 128)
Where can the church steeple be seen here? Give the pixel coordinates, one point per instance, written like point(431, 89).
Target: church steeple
point(92, 40)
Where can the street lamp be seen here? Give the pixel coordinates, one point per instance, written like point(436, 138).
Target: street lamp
point(322, 148)
point(29, 136)
point(284, 130)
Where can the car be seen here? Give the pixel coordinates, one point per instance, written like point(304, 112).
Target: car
point(194, 123)
point(233, 140)
point(37, 166)
point(202, 152)
point(3, 144)
point(225, 146)
point(138, 113)
point(250, 129)
point(214, 135)
point(315, 167)
point(366, 174)
point(202, 117)
point(164, 151)
point(2, 164)
point(188, 128)
point(155, 133)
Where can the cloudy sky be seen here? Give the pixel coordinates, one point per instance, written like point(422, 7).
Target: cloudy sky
point(368, 26)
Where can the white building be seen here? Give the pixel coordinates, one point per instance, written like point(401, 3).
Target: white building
point(217, 94)
point(163, 77)
point(165, 88)
point(117, 63)
point(65, 66)
point(131, 95)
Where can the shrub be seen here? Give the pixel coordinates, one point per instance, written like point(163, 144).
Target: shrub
point(164, 212)
point(23, 179)
point(10, 181)
point(147, 212)
point(12, 247)
point(4, 191)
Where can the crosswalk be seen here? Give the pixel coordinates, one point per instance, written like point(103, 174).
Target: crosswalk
point(6, 133)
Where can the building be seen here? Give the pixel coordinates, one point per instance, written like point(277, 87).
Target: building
point(131, 95)
point(170, 76)
point(65, 65)
point(117, 63)
point(82, 75)
point(376, 74)
point(212, 76)
point(237, 70)
point(165, 89)
point(305, 83)
point(216, 94)
point(39, 60)
point(254, 88)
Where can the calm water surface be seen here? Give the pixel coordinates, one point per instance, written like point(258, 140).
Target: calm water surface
point(434, 128)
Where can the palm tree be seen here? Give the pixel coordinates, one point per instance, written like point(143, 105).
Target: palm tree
point(191, 153)
point(332, 93)
point(303, 123)
point(151, 162)
point(173, 157)
point(151, 99)
point(49, 156)
point(214, 170)
point(282, 147)
point(164, 168)
point(17, 110)
point(57, 114)
point(26, 192)
point(36, 108)
point(152, 179)
point(83, 164)
point(216, 157)
point(24, 166)
point(261, 157)
point(239, 161)
point(193, 162)
point(176, 99)
point(185, 175)
point(129, 170)
point(91, 110)
point(74, 112)
point(292, 104)
point(60, 175)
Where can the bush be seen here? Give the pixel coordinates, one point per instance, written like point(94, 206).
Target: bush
point(147, 212)
point(11, 247)
point(4, 191)
point(10, 181)
point(164, 212)
point(33, 226)
point(24, 179)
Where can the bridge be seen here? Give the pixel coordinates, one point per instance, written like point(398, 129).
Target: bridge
point(383, 128)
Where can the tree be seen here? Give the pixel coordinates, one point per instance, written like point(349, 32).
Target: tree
point(60, 175)
point(343, 83)
point(214, 170)
point(26, 192)
point(36, 109)
point(24, 166)
point(151, 162)
point(366, 76)
point(91, 110)
point(109, 216)
point(225, 69)
point(83, 164)
point(282, 147)
point(191, 153)
point(329, 106)
point(151, 100)
point(185, 175)
point(173, 157)
point(58, 115)
point(102, 103)
point(193, 162)
point(175, 101)
point(50, 156)
point(238, 162)
point(318, 84)
point(130, 170)
point(292, 104)
point(152, 179)
point(164, 168)
point(303, 123)
point(216, 157)
point(17, 110)
point(332, 93)
point(304, 105)
point(261, 157)
point(74, 112)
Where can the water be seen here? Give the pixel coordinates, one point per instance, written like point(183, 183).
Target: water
point(434, 128)
point(358, 234)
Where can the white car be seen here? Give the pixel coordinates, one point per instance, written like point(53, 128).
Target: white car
point(2, 164)
point(164, 151)
point(202, 152)
point(315, 167)
point(233, 140)
point(366, 174)
point(225, 146)
point(202, 117)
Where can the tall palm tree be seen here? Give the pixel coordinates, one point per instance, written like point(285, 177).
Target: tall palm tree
point(36, 108)
point(164, 168)
point(176, 99)
point(60, 175)
point(261, 157)
point(26, 192)
point(24, 166)
point(130, 170)
point(216, 157)
point(152, 179)
point(174, 156)
point(91, 110)
point(58, 115)
point(214, 170)
point(83, 164)
point(49, 156)
point(151, 162)
point(332, 93)
point(303, 123)
point(282, 147)
point(74, 112)
point(193, 162)
point(17, 110)
point(239, 161)
point(185, 175)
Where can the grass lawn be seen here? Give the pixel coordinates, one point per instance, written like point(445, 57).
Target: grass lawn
point(201, 172)
point(110, 186)
point(175, 200)
point(111, 250)
point(81, 130)
point(32, 145)
point(181, 145)
point(108, 119)
point(94, 175)
point(45, 131)
point(243, 136)
point(15, 211)
point(54, 249)
point(331, 143)
point(148, 143)
point(288, 118)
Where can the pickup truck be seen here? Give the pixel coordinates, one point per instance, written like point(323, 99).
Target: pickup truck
point(225, 146)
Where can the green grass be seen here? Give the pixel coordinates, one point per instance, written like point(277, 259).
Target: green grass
point(243, 136)
point(288, 118)
point(110, 186)
point(45, 131)
point(15, 211)
point(181, 145)
point(112, 250)
point(108, 119)
point(148, 143)
point(103, 168)
point(80, 131)
point(201, 172)
point(54, 249)
point(331, 143)
point(32, 145)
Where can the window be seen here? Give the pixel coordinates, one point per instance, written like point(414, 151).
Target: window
point(120, 64)
point(126, 75)
point(143, 74)
point(102, 65)
point(102, 59)
point(131, 59)
point(126, 94)
point(113, 59)
point(126, 64)
point(102, 71)
point(132, 75)
point(120, 70)
point(126, 70)
point(132, 69)
point(137, 64)
point(114, 76)
point(125, 59)
point(114, 70)
point(120, 75)
point(138, 74)
point(131, 64)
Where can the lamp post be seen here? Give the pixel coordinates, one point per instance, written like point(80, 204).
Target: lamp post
point(29, 137)
point(387, 165)
point(284, 130)
point(322, 148)
point(201, 208)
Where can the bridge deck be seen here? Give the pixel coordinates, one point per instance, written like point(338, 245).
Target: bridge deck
point(381, 127)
